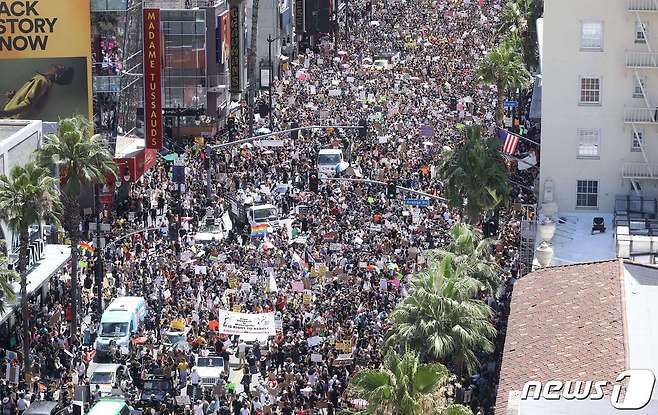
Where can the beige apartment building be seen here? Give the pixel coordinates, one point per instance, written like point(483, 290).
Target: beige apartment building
point(599, 102)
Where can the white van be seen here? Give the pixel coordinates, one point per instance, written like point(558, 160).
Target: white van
point(328, 160)
point(120, 320)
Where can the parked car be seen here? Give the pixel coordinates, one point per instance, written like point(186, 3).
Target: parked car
point(110, 378)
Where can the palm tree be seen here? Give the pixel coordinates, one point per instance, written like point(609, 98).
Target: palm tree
point(399, 387)
point(27, 196)
point(518, 20)
point(7, 294)
point(82, 159)
point(469, 250)
point(454, 409)
point(442, 321)
point(474, 175)
point(504, 68)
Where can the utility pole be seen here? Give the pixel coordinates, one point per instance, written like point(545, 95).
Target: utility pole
point(99, 252)
point(270, 39)
point(290, 130)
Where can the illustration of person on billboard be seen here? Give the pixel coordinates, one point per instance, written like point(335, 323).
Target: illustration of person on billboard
point(30, 98)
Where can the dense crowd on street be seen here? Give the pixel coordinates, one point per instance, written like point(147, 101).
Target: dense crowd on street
point(353, 251)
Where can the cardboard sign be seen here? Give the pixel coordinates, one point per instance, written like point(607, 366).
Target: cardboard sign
point(236, 308)
point(232, 281)
point(344, 345)
point(308, 297)
point(316, 357)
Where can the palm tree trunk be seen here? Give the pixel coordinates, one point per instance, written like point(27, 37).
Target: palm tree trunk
point(72, 225)
point(500, 110)
point(22, 269)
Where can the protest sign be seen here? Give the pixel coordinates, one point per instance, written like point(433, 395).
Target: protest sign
point(248, 326)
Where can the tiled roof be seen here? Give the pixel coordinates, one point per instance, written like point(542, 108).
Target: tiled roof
point(565, 323)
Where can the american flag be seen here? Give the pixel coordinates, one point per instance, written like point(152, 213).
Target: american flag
point(510, 141)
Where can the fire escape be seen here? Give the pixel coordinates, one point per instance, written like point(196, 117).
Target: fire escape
point(641, 61)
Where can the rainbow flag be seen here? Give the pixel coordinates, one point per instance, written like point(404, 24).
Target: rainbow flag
point(303, 265)
point(259, 230)
point(87, 246)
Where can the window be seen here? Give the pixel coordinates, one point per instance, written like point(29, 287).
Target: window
point(589, 140)
point(638, 86)
point(590, 90)
point(587, 193)
point(637, 138)
point(641, 32)
point(591, 35)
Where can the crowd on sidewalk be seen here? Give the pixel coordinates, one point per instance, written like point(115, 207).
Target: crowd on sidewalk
point(339, 269)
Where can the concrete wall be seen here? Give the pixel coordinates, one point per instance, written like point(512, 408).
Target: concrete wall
point(563, 64)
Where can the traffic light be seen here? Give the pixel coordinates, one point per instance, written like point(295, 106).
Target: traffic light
point(313, 184)
point(294, 134)
point(391, 190)
point(363, 131)
point(230, 125)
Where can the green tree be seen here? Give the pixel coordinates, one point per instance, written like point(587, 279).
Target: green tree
point(454, 409)
point(27, 196)
point(82, 159)
point(442, 321)
point(503, 68)
point(400, 385)
point(474, 175)
point(518, 21)
point(7, 294)
point(469, 250)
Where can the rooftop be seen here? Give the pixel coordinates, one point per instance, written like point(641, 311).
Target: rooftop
point(11, 127)
point(565, 323)
point(573, 242)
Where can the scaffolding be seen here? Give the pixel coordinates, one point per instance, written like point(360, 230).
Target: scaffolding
point(117, 96)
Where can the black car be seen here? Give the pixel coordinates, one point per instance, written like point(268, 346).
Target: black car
point(45, 408)
point(155, 390)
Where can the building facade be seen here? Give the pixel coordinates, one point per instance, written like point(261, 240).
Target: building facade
point(599, 103)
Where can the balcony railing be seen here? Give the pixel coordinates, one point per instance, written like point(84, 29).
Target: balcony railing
point(642, 6)
point(640, 116)
point(641, 60)
point(639, 171)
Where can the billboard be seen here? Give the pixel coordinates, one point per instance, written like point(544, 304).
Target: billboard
point(45, 59)
point(152, 79)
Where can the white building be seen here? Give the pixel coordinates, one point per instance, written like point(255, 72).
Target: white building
point(599, 102)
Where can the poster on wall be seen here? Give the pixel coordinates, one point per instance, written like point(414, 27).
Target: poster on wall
point(152, 79)
point(45, 59)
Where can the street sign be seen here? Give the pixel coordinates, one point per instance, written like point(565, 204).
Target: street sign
point(105, 227)
point(510, 104)
point(417, 202)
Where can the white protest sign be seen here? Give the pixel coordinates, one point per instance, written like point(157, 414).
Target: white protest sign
point(314, 341)
point(316, 357)
point(248, 326)
point(335, 92)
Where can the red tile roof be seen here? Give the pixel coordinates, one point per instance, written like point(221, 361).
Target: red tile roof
point(565, 323)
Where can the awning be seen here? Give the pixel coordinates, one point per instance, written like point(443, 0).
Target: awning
point(535, 103)
point(132, 159)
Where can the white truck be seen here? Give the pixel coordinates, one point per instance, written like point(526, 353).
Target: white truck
point(245, 212)
point(328, 160)
point(120, 321)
